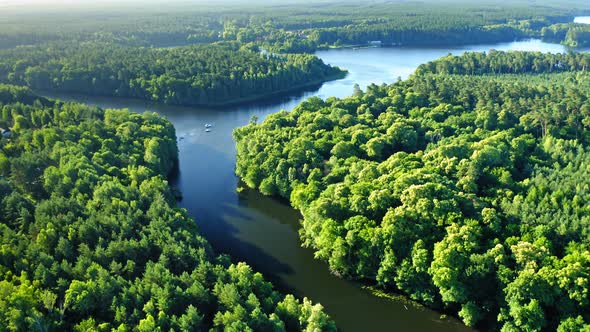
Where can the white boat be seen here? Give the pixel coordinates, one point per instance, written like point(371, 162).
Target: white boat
point(208, 125)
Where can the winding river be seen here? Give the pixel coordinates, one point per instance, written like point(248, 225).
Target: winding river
point(263, 231)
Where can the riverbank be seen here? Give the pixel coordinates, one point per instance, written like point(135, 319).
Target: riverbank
point(342, 74)
point(234, 102)
point(442, 45)
point(367, 203)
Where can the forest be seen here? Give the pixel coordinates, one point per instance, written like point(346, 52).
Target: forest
point(92, 240)
point(570, 34)
point(216, 56)
point(182, 75)
point(292, 26)
point(464, 187)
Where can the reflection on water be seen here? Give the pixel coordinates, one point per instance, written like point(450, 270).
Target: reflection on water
point(263, 231)
point(582, 19)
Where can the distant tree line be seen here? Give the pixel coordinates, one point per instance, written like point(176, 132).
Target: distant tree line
point(295, 27)
point(512, 62)
point(570, 34)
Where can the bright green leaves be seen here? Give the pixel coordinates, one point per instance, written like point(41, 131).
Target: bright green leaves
point(451, 260)
point(465, 192)
point(87, 213)
point(160, 155)
point(181, 75)
point(19, 307)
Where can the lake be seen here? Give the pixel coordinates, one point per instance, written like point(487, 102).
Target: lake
point(263, 231)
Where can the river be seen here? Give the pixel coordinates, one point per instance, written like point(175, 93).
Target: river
point(263, 231)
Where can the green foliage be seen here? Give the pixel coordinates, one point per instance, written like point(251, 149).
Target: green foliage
point(513, 62)
point(91, 240)
point(293, 26)
point(571, 34)
point(191, 75)
point(464, 187)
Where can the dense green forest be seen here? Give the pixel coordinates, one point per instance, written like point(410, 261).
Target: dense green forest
point(464, 187)
point(91, 239)
point(191, 75)
point(495, 62)
point(291, 26)
point(570, 34)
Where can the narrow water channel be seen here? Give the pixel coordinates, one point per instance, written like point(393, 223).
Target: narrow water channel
point(263, 231)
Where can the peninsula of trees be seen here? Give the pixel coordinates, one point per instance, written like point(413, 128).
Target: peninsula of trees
point(216, 74)
point(92, 240)
point(465, 186)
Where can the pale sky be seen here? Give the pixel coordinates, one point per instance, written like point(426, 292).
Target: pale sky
point(124, 3)
point(135, 2)
point(72, 2)
point(97, 4)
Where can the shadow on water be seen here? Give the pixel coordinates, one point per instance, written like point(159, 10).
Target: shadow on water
point(212, 216)
point(264, 232)
point(278, 98)
point(312, 278)
point(229, 242)
point(269, 207)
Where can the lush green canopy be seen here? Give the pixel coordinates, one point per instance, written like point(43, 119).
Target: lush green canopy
point(465, 186)
point(91, 240)
point(570, 34)
point(295, 26)
point(191, 75)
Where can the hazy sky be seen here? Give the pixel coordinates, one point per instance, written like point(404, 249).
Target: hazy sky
point(38, 2)
point(68, 5)
point(94, 3)
point(104, 4)
point(69, 2)
point(135, 3)
point(44, 3)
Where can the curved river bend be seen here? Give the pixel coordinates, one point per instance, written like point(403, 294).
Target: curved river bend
point(263, 231)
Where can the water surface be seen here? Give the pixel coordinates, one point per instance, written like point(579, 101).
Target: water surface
point(263, 231)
